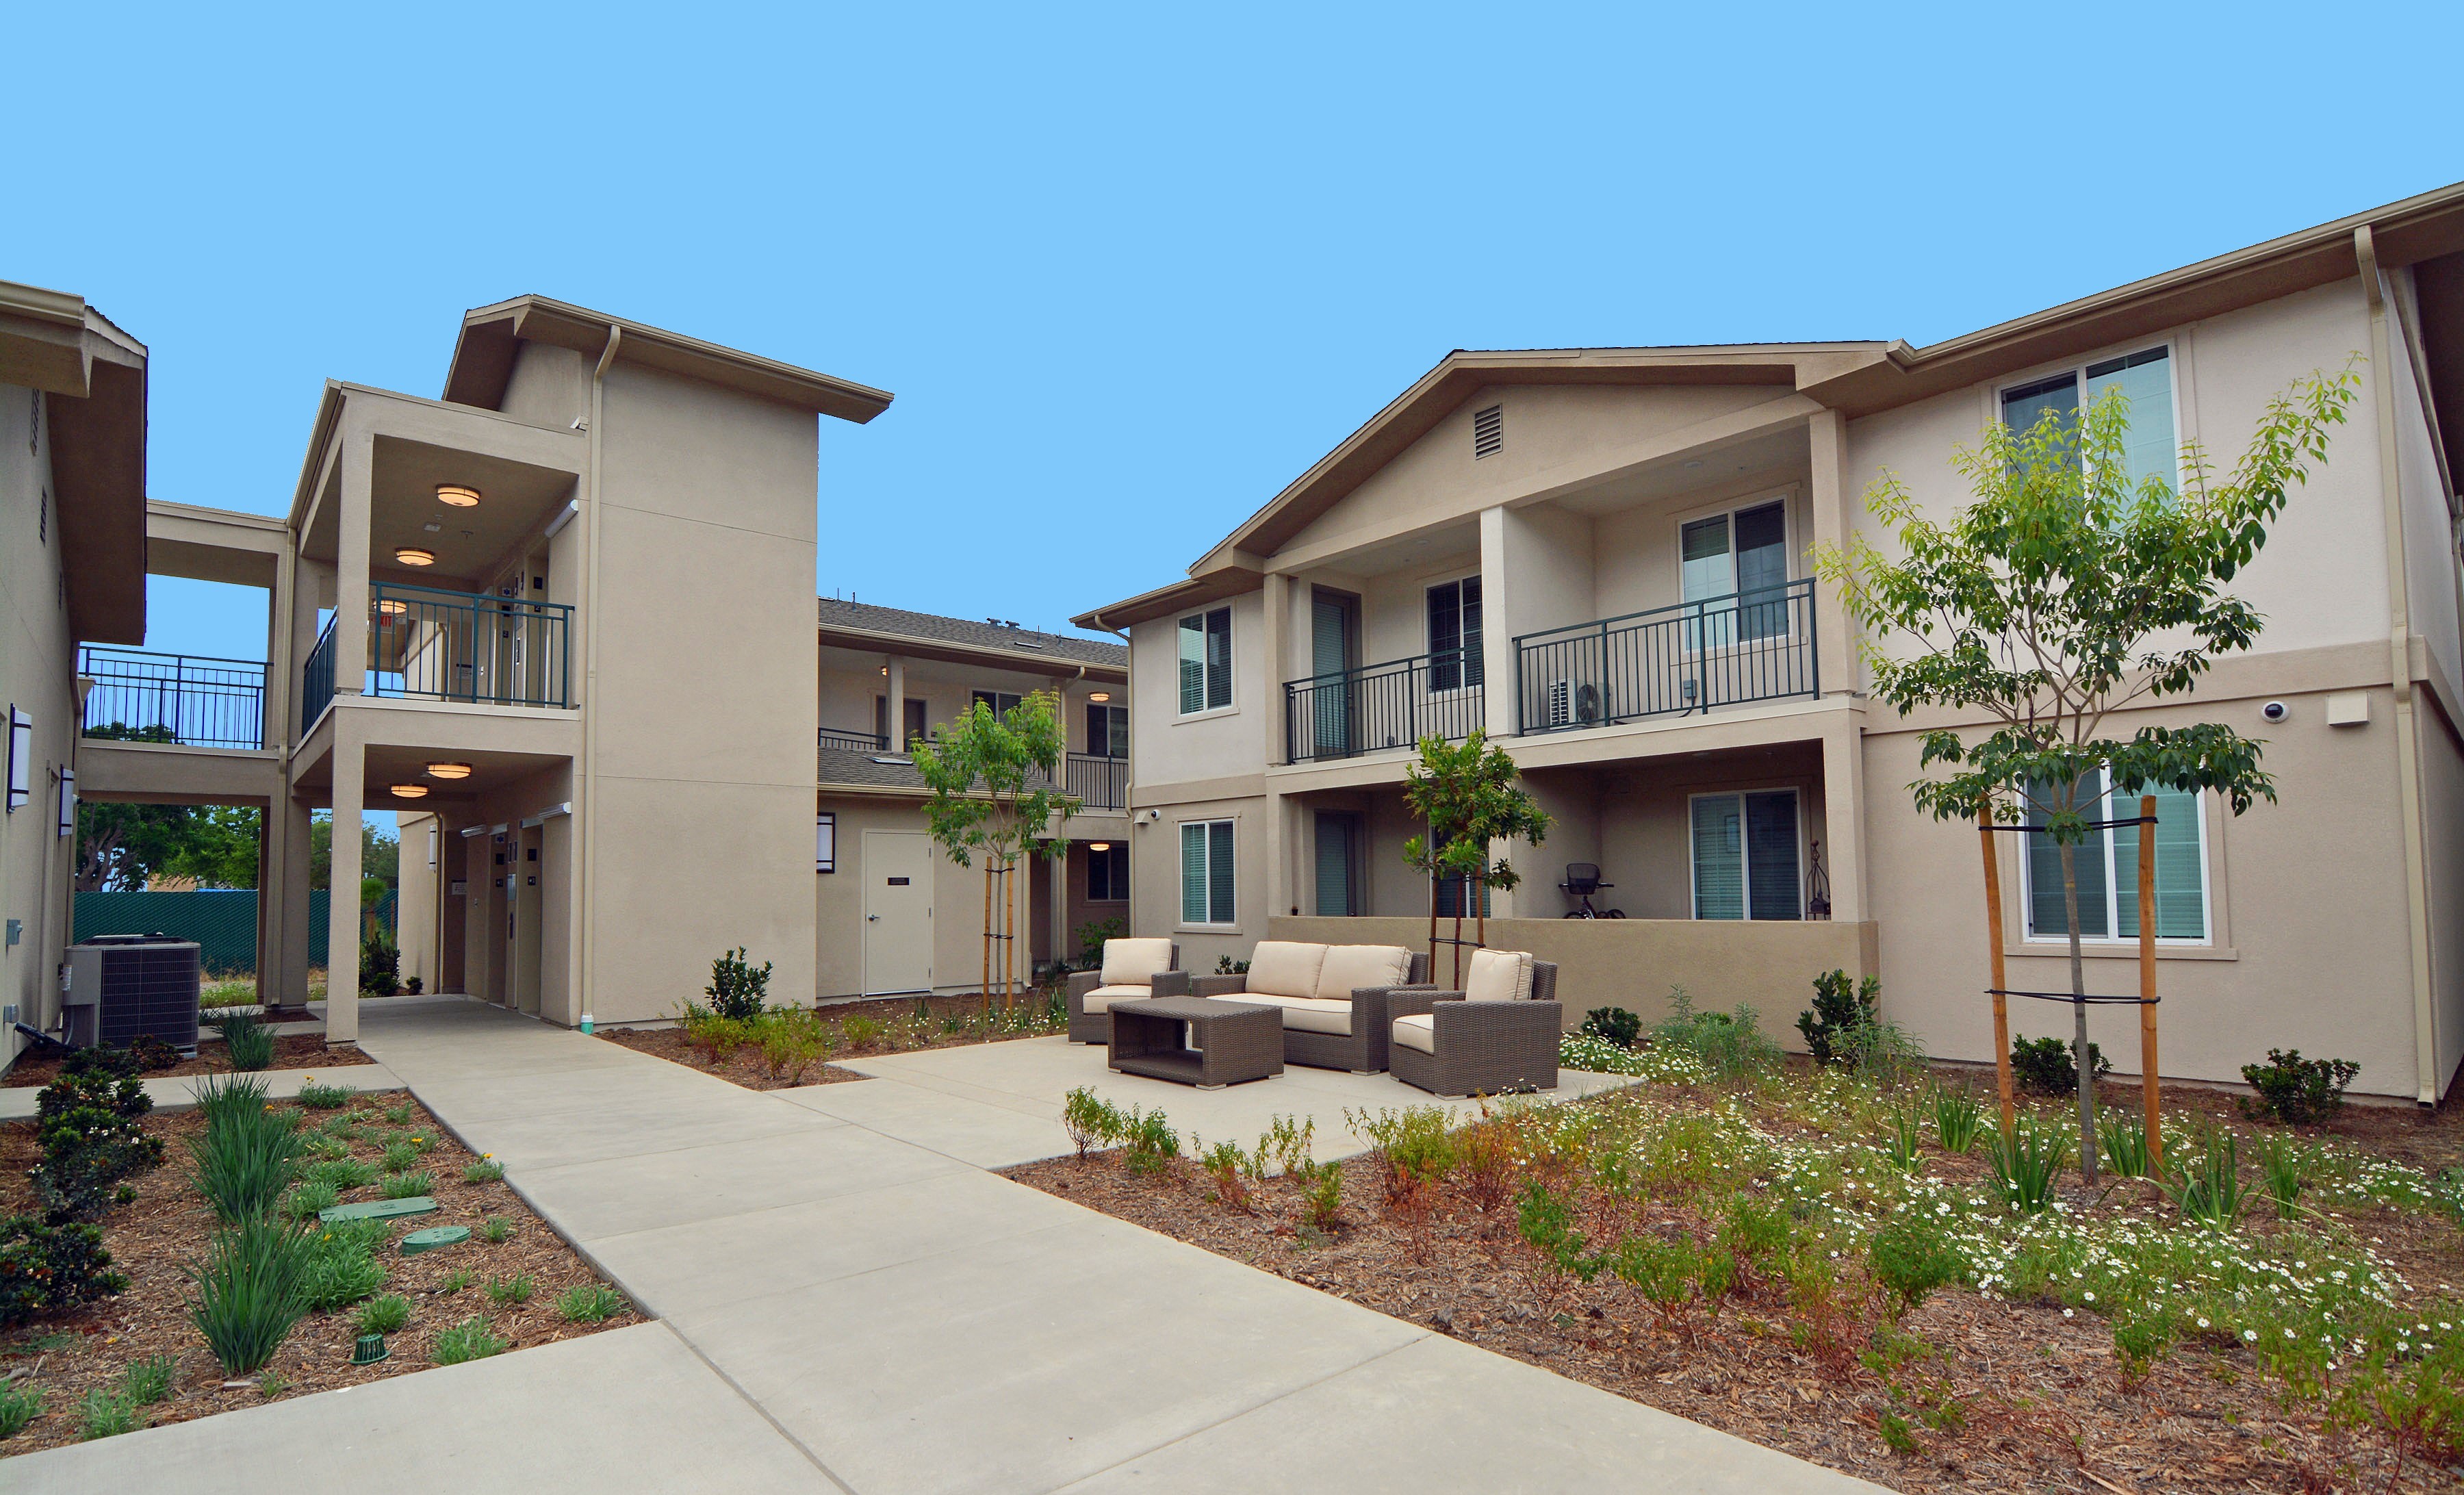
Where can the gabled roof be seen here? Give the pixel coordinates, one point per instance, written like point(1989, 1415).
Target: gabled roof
point(483, 357)
point(867, 625)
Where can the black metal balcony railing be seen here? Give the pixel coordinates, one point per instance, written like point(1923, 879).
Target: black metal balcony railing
point(317, 680)
point(1754, 646)
point(1393, 705)
point(1098, 783)
point(846, 741)
point(184, 698)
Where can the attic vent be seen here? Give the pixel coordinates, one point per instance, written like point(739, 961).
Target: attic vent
point(1488, 431)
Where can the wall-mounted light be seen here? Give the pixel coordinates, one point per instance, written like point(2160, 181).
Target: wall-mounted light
point(457, 495)
point(410, 791)
point(449, 770)
point(1099, 845)
point(1099, 698)
point(413, 556)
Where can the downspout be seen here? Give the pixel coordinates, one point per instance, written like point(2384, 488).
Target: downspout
point(2408, 750)
point(587, 823)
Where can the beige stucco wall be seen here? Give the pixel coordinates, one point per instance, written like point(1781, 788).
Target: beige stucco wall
point(2442, 806)
point(38, 675)
point(1155, 853)
point(1167, 747)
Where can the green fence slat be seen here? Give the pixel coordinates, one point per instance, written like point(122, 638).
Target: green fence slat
point(222, 922)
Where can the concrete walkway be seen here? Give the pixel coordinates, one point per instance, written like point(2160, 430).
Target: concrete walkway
point(889, 1317)
point(179, 1091)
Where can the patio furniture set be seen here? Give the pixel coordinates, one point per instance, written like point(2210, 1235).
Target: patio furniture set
point(1364, 1008)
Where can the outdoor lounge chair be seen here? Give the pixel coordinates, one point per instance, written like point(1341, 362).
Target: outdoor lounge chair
point(1133, 970)
point(1497, 1035)
point(1334, 997)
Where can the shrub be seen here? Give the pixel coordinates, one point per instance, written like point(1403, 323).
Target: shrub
point(408, 1185)
point(1226, 965)
point(589, 1304)
point(1727, 1043)
point(324, 1097)
point(1615, 1024)
point(455, 1280)
point(1229, 1165)
point(245, 1163)
point(1287, 1146)
point(2302, 1092)
point(2026, 1163)
point(17, 1408)
point(384, 1314)
point(714, 1036)
point(396, 1115)
point(1911, 1255)
point(1839, 1008)
point(467, 1340)
point(486, 1170)
point(89, 1122)
point(149, 1381)
point(1416, 1146)
point(380, 963)
point(412, 985)
point(151, 1053)
point(1093, 1121)
point(104, 1414)
point(249, 1291)
point(2140, 1335)
point(1150, 1140)
point(737, 991)
point(1547, 1222)
point(1957, 1115)
point(2050, 1066)
point(791, 1041)
point(50, 1265)
point(398, 1156)
point(249, 1042)
point(1321, 1195)
point(104, 1061)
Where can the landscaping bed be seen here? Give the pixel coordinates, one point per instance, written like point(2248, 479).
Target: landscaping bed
point(291, 1052)
point(74, 1356)
point(743, 1065)
point(841, 1031)
point(1772, 1256)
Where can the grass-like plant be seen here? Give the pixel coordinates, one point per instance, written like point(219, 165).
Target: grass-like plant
point(220, 1097)
point(507, 1292)
point(1904, 1144)
point(397, 1115)
point(245, 1160)
point(408, 1186)
point(2285, 1167)
point(249, 1042)
point(1957, 1115)
point(19, 1405)
point(399, 1157)
point(2209, 1191)
point(342, 1173)
point(487, 1170)
point(324, 1097)
point(149, 1381)
point(384, 1314)
point(455, 1280)
point(469, 1340)
point(308, 1198)
point(591, 1304)
point(249, 1291)
point(2026, 1163)
point(496, 1230)
point(2126, 1145)
point(107, 1415)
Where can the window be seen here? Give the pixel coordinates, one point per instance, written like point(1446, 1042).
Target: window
point(1454, 635)
point(2144, 379)
point(2107, 866)
point(1108, 730)
point(826, 842)
point(1107, 871)
point(1738, 560)
point(1001, 702)
point(1207, 872)
point(1206, 661)
point(1745, 856)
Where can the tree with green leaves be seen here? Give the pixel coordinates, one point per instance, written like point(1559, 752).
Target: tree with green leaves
point(1469, 797)
point(993, 780)
point(2067, 592)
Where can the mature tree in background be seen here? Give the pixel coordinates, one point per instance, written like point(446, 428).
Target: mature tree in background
point(1469, 799)
point(984, 770)
point(379, 854)
point(217, 847)
point(2063, 594)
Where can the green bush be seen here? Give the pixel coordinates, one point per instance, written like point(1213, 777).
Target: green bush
point(2050, 1066)
point(1911, 1255)
point(737, 991)
point(1321, 1186)
point(18, 1406)
point(1414, 1146)
point(1093, 1121)
point(467, 1340)
point(589, 1304)
point(46, 1266)
point(2302, 1092)
point(384, 1314)
point(90, 1125)
point(398, 1156)
point(1149, 1139)
point(1615, 1024)
point(859, 1032)
point(380, 963)
point(510, 1292)
point(249, 1291)
point(496, 1230)
point(105, 1414)
point(486, 1170)
point(1664, 1270)
point(342, 1173)
point(104, 1061)
point(1839, 1008)
point(792, 1040)
point(1727, 1043)
point(249, 1042)
point(220, 1097)
point(245, 1162)
point(407, 1186)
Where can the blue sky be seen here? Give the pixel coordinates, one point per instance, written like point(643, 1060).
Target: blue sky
point(1129, 271)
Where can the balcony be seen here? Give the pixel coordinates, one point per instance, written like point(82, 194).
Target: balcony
point(1696, 656)
point(1098, 782)
point(1393, 705)
point(187, 699)
point(846, 741)
point(427, 644)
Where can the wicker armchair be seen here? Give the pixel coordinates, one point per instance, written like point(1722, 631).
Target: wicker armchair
point(1362, 1050)
point(1478, 1047)
point(1089, 1020)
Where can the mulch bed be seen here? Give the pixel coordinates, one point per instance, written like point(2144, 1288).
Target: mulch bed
point(743, 1066)
point(291, 1052)
point(2041, 1403)
point(894, 1014)
point(152, 1239)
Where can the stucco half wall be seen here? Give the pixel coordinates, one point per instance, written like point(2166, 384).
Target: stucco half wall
point(1634, 963)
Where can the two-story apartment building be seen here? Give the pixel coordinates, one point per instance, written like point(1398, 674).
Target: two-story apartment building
point(1602, 558)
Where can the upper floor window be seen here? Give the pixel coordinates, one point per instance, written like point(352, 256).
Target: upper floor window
point(2144, 378)
point(1454, 635)
point(1206, 661)
point(1741, 554)
point(1108, 730)
point(2106, 867)
point(1001, 702)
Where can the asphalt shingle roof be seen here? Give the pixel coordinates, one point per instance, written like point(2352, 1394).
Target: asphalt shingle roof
point(836, 613)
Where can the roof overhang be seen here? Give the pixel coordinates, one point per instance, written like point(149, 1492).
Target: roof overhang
point(483, 358)
point(1230, 579)
point(1025, 660)
point(93, 378)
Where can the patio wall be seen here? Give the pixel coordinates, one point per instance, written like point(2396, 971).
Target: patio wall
point(1632, 963)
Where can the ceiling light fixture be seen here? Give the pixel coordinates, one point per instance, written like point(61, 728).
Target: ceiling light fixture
point(413, 556)
point(410, 791)
point(449, 770)
point(457, 495)
point(392, 606)
point(1099, 698)
point(1099, 845)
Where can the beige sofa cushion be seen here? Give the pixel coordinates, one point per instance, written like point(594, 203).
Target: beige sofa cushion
point(1497, 975)
point(1308, 1014)
point(1102, 998)
point(1281, 968)
point(1135, 962)
point(1349, 967)
point(1418, 1031)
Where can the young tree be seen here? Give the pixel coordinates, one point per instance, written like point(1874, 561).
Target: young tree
point(1468, 798)
point(986, 800)
point(2064, 593)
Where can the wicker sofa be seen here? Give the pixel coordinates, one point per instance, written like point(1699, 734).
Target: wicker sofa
point(1334, 997)
point(1132, 971)
point(1497, 1035)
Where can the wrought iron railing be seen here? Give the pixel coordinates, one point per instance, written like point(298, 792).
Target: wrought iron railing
point(468, 646)
point(317, 680)
point(1099, 783)
point(1393, 705)
point(1754, 646)
point(846, 741)
point(184, 698)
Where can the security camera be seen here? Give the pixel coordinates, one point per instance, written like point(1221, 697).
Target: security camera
point(2276, 711)
point(1154, 815)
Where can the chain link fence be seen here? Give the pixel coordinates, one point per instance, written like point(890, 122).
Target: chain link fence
point(221, 922)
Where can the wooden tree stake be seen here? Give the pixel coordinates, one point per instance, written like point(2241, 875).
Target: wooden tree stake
point(2147, 975)
point(1993, 948)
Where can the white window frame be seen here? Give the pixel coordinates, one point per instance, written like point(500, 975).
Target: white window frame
point(1231, 668)
point(1745, 879)
point(1786, 499)
point(2113, 890)
point(2077, 370)
point(1181, 838)
point(825, 840)
point(1429, 646)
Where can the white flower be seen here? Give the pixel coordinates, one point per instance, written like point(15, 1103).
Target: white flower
point(2066, 1313)
point(2250, 1335)
point(2089, 1296)
point(2203, 1323)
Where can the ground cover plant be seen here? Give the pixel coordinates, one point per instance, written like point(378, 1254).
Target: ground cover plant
point(291, 1052)
point(789, 1047)
point(1813, 1260)
point(240, 1295)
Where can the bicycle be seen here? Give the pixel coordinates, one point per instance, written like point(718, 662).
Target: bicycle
point(1582, 880)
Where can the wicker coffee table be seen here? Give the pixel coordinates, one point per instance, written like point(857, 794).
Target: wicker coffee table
point(1233, 1041)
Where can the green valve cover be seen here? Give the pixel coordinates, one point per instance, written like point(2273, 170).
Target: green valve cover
point(380, 1209)
point(435, 1238)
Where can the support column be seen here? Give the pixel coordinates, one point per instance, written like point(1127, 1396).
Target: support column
point(351, 568)
point(893, 689)
point(1277, 610)
point(1843, 816)
point(280, 667)
point(1060, 866)
point(1834, 635)
point(283, 903)
point(343, 895)
point(1501, 685)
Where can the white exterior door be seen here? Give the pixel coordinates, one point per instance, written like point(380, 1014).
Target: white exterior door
point(897, 911)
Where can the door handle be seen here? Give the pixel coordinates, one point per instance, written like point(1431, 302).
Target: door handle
point(872, 918)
